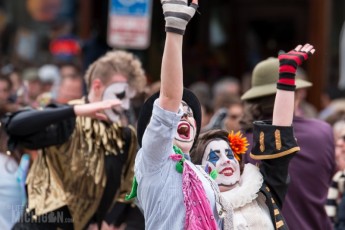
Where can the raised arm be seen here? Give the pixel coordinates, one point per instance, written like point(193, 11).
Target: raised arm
point(280, 144)
point(177, 14)
point(285, 97)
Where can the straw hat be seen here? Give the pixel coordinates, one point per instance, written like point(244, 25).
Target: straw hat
point(265, 77)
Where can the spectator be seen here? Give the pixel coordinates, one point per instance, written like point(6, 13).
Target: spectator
point(33, 87)
point(233, 116)
point(50, 79)
point(304, 108)
point(203, 92)
point(336, 192)
point(6, 105)
point(12, 191)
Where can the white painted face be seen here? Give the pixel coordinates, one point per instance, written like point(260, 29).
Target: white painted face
point(186, 129)
point(121, 91)
point(219, 156)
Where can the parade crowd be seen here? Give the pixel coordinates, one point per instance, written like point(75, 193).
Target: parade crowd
point(105, 148)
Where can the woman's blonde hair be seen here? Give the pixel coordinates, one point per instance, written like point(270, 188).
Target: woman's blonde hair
point(117, 62)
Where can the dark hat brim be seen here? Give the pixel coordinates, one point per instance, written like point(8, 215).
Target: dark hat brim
point(146, 112)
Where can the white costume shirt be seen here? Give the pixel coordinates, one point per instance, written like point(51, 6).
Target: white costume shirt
point(249, 208)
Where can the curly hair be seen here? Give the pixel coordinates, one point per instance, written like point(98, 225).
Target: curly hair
point(117, 62)
point(204, 139)
point(255, 110)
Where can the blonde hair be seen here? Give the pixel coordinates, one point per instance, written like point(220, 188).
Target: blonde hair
point(117, 62)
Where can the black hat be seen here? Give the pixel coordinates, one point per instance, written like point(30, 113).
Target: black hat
point(146, 112)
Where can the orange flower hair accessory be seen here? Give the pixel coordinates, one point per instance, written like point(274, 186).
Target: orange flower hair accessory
point(238, 143)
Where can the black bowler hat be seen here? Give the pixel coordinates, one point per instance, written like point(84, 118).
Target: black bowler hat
point(146, 112)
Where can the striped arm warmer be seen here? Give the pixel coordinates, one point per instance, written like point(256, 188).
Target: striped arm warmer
point(288, 63)
point(177, 14)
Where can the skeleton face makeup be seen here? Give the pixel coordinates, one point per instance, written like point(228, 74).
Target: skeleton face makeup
point(219, 156)
point(186, 129)
point(120, 91)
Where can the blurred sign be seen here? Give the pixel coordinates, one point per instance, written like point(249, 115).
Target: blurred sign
point(65, 48)
point(129, 23)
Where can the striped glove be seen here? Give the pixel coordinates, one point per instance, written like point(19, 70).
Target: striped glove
point(288, 63)
point(177, 14)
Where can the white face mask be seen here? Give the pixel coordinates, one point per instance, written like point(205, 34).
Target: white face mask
point(120, 91)
point(219, 156)
point(186, 129)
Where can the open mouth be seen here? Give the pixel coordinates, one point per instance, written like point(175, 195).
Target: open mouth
point(183, 130)
point(227, 172)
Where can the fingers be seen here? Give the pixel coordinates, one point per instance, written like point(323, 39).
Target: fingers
point(307, 48)
point(195, 2)
point(107, 104)
point(101, 116)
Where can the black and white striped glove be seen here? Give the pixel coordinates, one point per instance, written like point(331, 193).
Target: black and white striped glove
point(177, 14)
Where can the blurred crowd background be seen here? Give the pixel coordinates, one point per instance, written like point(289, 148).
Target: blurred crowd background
point(236, 35)
point(46, 46)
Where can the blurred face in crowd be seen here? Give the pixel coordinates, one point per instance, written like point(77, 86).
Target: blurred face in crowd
point(70, 89)
point(16, 81)
point(69, 71)
point(233, 117)
point(186, 129)
point(205, 116)
point(4, 91)
point(340, 151)
point(219, 156)
point(34, 89)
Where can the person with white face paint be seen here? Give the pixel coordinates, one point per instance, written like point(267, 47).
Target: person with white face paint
point(256, 194)
point(221, 158)
point(86, 154)
point(171, 191)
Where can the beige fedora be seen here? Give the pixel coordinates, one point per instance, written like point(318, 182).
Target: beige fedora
point(264, 80)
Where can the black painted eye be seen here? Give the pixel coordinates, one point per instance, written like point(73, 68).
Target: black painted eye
point(121, 95)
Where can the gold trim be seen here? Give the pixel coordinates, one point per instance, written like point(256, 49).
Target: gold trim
point(278, 140)
point(262, 141)
point(267, 188)
point(73, 173)
point(273, 202)
point(274, 156)
point(279, 224)
point(276, 212)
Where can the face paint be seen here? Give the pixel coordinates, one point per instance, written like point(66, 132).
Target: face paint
point(121, 91)
point(186, 129)
point(219, 156)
